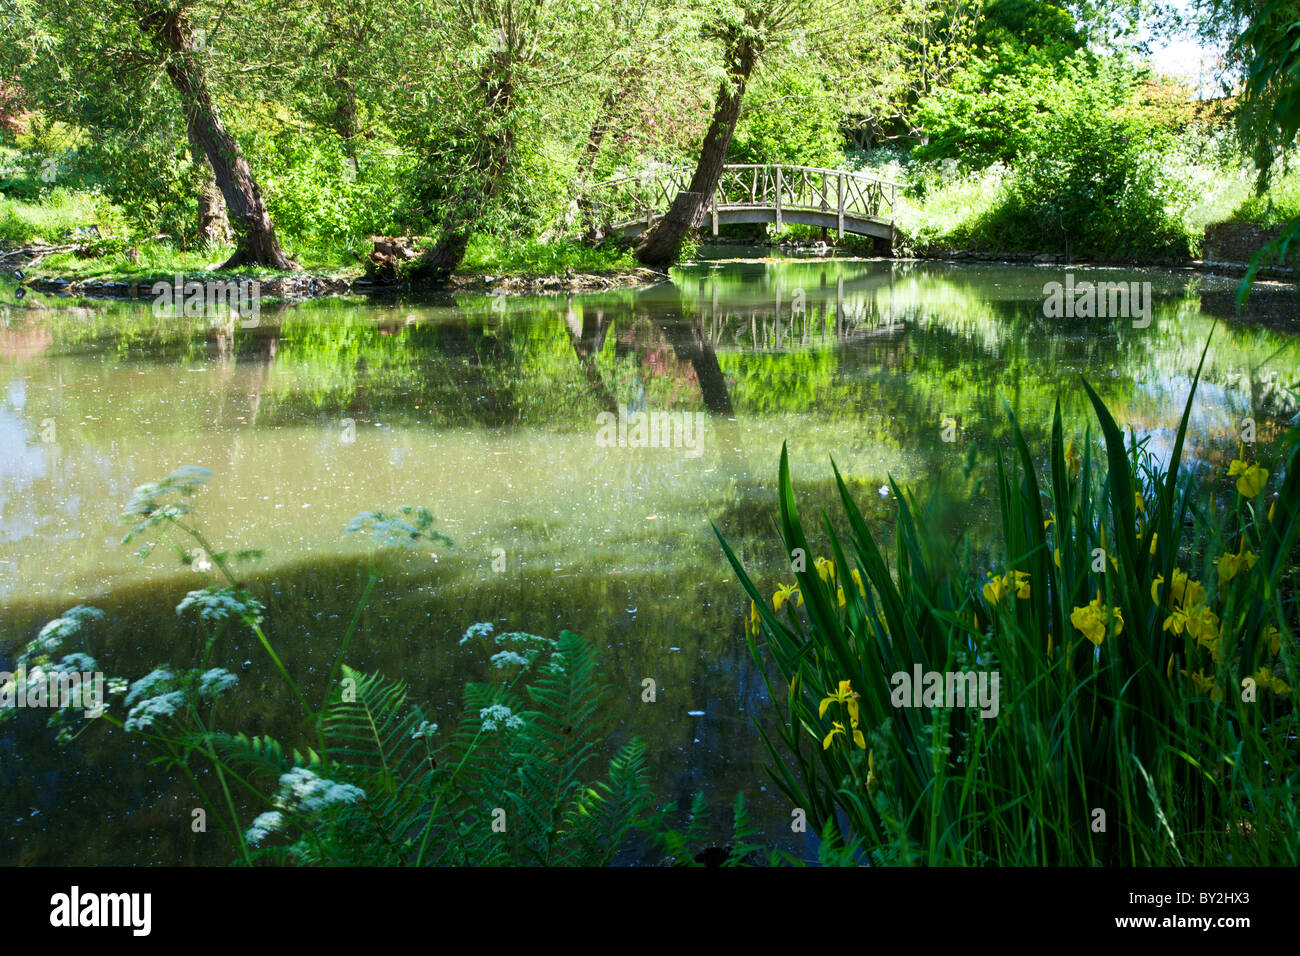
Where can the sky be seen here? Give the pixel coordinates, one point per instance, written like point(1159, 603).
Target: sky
point(1186, 58)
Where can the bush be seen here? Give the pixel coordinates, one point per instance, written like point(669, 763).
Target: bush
point(317, 195)
point(1093, 183)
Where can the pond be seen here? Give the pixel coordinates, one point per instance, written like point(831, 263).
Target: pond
point(515, 421)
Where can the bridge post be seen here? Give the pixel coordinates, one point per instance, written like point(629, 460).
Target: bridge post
point(715, 214)
point(840, 201)
point(778, 199)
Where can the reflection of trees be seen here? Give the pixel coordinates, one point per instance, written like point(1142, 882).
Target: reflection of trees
point(691, 343)
point(886, 348)
point(587, 335)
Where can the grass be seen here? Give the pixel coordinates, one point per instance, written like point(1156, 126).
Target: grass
point(1278, 206)
point(162, 259)
point(51, 220)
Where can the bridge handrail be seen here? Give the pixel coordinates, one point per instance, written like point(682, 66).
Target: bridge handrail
point(781, 188)
point(649, 175)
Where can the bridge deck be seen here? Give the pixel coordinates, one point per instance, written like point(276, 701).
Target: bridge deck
point(730, 215)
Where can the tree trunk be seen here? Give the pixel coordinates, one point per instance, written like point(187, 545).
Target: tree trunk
point(214, 225)
point(494, 153)
point(344, 118)
point(255, 241)
point(691, 343)
point(661, 244)
point(600, 129)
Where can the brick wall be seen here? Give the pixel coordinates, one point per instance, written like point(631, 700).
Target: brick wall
point(1236, 242)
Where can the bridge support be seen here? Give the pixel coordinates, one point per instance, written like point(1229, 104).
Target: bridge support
point(779, 184)
point(840, 197)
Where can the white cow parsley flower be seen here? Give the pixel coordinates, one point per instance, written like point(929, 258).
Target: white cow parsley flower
point(216, 681)
point(498, 715)
point(521, 637)
point(144, 714)
point(158, 679)
point(426, 729)
point(53, 634)
point(504, 659)
point(482, 629)
point(75, 663)
point(265, 824)
point(221, 604)
point(302, 789)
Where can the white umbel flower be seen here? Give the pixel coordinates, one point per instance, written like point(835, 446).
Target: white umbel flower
point(302, 789)
point(214, 682)
point(499, 715)
point(265, 824)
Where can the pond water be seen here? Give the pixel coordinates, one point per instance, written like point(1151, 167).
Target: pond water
point(495, 414)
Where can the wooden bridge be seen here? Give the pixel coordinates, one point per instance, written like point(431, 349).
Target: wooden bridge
point(831, 198)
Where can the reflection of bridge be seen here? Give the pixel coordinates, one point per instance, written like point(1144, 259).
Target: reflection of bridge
point(832, 198)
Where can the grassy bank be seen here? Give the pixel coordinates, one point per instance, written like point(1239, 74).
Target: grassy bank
point(946, 208)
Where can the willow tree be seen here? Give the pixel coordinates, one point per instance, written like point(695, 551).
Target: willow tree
point(97, 63)
point(745, 31)
point(490, 95)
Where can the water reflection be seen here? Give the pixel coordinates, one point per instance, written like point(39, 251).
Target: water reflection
point(489, 418)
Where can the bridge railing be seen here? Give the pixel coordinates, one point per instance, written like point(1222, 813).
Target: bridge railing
point(631, 200)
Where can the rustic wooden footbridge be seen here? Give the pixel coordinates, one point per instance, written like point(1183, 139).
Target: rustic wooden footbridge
point(831, 198)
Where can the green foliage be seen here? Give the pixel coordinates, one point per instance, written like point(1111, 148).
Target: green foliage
point(993, 108)
point(373, 782)
point(508, 786)
point(1023, 25)
point(1092, 183)
point(320, 194)
point(1120, 676)
point(1275, 206)
point(1269, 113)
point(1089, 178)
point(52, 219)
point(789, 117)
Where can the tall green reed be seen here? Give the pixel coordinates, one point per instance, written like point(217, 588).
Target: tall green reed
point(1144, 716)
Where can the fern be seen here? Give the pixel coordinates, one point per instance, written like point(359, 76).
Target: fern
point(560, 741)
point(526, 769)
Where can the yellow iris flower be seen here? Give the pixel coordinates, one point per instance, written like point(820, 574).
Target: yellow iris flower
point(1091, 620)
point(857, 579)
point(998, 587)
point(1264, 678)
point(838, 728)
point(1186, 592)
point(1230, 565)
point(825, 569)
point(846, 696)
point(1072, 460)
point(1251, 479)
point(786, 592)
point(1204, 685)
